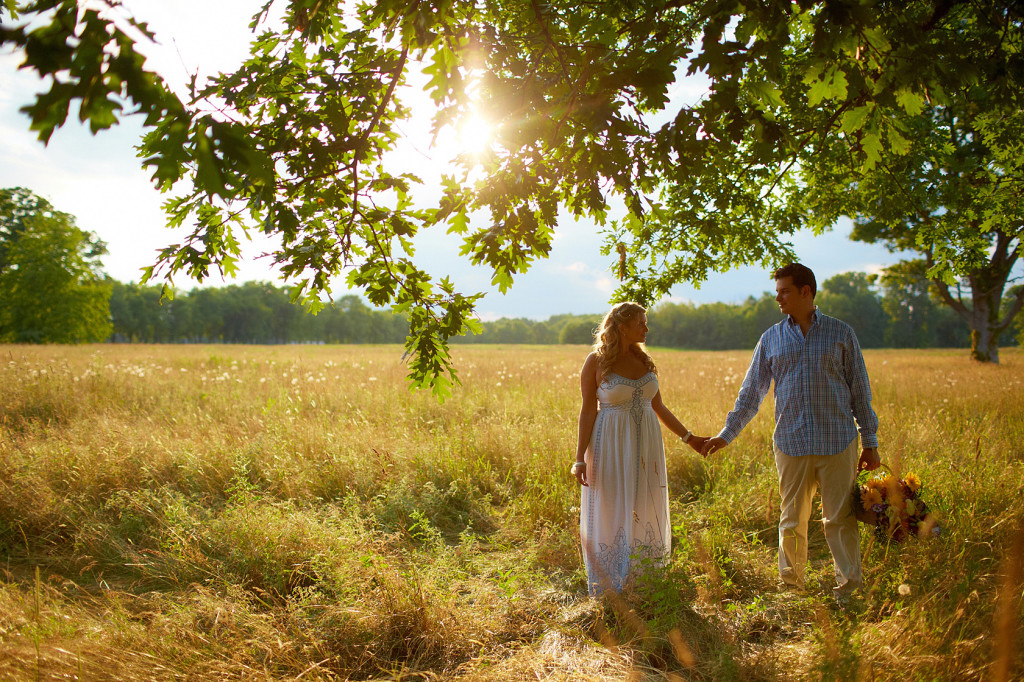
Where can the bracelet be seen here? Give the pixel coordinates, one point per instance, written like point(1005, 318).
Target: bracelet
point(577, 468)
point(687, 437)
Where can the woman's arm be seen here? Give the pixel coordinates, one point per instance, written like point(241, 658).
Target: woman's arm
point(588, 413)
point(674, 425)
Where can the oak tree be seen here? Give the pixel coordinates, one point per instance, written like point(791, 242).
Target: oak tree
point(953, 194)
point(296, 141)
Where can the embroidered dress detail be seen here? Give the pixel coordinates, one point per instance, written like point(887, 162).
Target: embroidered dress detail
point(624, 511)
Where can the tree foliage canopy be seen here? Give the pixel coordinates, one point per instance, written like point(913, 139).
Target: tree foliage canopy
point(51, 287)
point(954, 193)
point(295, 142)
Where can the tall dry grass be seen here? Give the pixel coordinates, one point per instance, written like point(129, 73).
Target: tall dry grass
point(282, 512)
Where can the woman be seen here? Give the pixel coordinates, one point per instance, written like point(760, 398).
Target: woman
point(620, 459)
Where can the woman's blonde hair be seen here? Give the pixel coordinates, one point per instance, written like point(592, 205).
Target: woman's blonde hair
point(608, 341)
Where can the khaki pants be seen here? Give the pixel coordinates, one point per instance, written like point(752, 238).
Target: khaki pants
point(798, 479)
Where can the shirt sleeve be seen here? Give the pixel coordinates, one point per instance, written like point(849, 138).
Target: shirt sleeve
point(860, 394)
point(755, 387)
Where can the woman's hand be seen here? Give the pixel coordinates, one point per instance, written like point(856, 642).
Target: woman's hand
point(579, 470)
point(697, 443)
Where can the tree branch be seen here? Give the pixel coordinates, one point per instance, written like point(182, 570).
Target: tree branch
point(537, 12)
point(947, 298)
point(942, 8)
point(1015, 307)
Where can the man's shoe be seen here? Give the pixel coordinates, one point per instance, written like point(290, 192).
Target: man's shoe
point(847, 599)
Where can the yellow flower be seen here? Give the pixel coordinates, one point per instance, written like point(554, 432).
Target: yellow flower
point(871, 498)
point(913, 482)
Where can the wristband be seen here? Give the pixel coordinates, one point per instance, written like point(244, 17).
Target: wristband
point(687, 437)
point(577, 468)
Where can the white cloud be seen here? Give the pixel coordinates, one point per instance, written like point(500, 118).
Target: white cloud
point(874, 268)
point(605, 284)
point(489, 315)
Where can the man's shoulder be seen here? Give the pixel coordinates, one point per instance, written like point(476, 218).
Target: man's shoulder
point(834, 325)
point(777, 328)
point(773, 335)
point(828, 320)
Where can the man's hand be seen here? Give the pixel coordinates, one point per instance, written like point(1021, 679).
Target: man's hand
point(869, 460)
point(713, 445)
point(697, 443)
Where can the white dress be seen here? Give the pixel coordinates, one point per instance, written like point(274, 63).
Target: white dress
point(624, 509)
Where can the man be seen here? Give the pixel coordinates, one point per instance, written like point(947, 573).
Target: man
point(822, 399)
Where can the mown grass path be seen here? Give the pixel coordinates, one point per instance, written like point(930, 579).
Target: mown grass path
point(207, 512)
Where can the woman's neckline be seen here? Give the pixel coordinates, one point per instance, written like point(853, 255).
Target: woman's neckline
point(641, 377)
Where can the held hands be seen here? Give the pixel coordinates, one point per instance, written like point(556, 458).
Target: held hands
point(713, 445)
point(869, 460)
point(697, 443)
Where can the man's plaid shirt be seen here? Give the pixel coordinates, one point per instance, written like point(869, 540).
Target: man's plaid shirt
point(821, 387)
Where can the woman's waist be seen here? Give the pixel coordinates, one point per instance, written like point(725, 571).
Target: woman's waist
point(626, 406)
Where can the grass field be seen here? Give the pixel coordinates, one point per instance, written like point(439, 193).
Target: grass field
point(211, 512)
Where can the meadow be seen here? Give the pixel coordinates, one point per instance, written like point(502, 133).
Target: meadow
point(287, 512)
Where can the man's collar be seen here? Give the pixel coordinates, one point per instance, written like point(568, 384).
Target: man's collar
point(814, 318)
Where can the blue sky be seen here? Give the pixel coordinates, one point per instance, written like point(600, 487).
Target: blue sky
point(98, 180)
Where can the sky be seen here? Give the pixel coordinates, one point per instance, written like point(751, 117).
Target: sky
point(99, 180)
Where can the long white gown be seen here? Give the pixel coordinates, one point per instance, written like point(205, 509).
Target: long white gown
point(624, 509)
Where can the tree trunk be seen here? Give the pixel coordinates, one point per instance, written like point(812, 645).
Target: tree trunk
point(987, 285)
point(983, 346)
point(985, 323)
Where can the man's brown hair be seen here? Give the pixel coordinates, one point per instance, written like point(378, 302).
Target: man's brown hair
point(801, 274)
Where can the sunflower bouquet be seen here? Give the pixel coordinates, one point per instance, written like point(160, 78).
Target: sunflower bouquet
point(893, 506)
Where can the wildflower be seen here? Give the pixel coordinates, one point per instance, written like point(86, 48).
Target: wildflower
point(871, 499)
point(913, 482)
point(904, 589)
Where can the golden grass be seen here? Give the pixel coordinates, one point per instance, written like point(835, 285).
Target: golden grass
point(295, 512)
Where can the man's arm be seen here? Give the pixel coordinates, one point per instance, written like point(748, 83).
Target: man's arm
point(860, 398)
point(755, 387)
point(860, 395)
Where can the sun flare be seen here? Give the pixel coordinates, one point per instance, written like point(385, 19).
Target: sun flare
point(475, 135)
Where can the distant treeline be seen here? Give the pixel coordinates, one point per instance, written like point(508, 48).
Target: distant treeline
point(893, 315)
point(254, 312)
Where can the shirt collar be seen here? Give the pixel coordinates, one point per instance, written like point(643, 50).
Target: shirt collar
point(815, 314)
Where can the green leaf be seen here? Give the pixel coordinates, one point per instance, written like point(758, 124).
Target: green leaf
point(839, 86)
point(853, 120)
point(898, 143)
point(459, 223)
point(871, 143)
point(766, 94)
point(912, 102)
point(818, 91)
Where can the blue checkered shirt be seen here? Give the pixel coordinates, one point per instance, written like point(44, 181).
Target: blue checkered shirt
point(822, 394)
